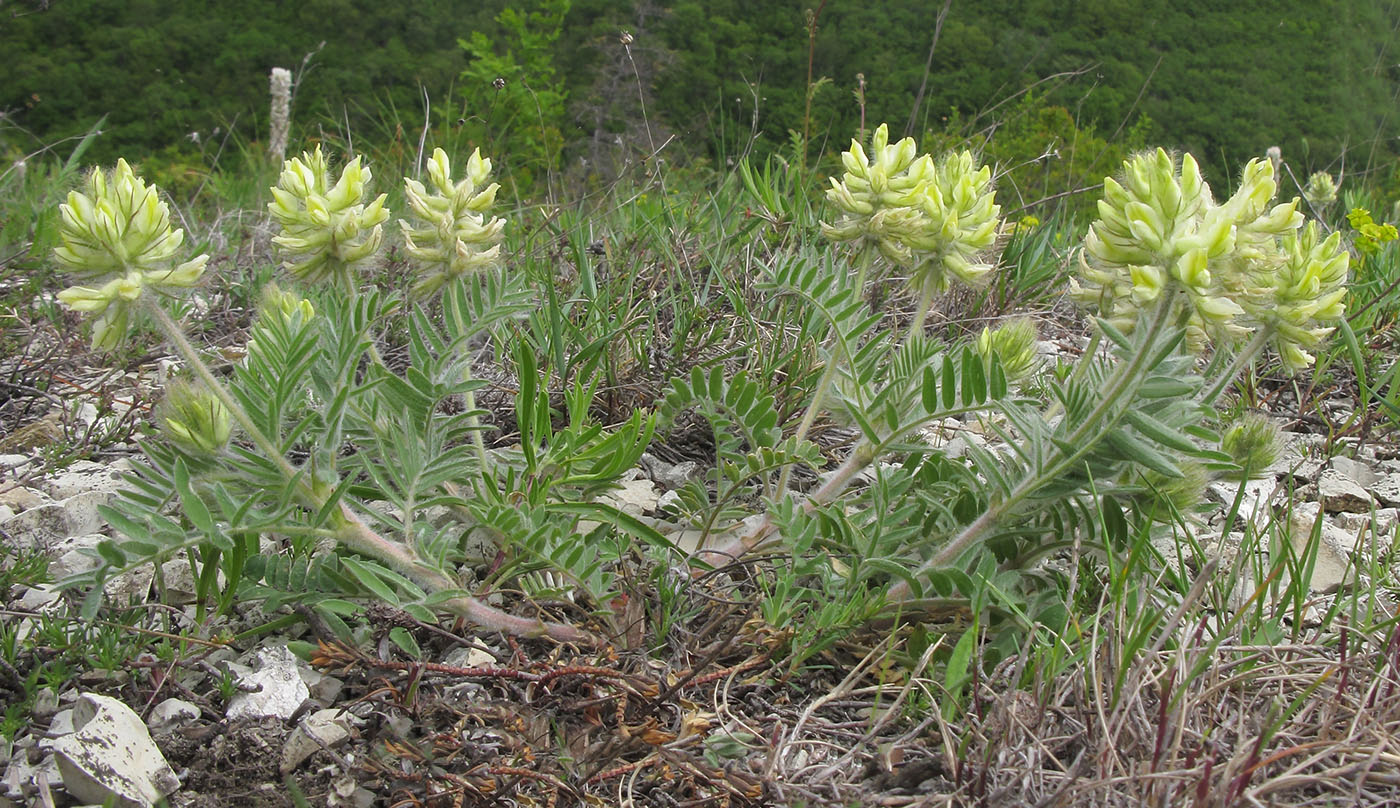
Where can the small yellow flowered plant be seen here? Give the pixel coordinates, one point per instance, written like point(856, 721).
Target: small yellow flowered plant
point(1239, 265)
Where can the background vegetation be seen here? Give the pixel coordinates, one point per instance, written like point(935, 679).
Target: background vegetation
point(1222, 80)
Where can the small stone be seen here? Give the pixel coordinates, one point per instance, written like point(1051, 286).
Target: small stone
point(82, 477)
point(45, 704)
point(323, 688)
point(1386, 489)
point(673, 477)
point(43, 525)
point(61, 724)
point(86, 413)
point(1354, 470)
point(324, 727)
point(1334, 549)
point(280, 689)
point(1254, 502)
point(472, 657)
point(42, 598)
point(110, 756)
point(71, 556)
point(1340, 493)
point(181, 588)
point(23, 778)
point(635, 497)
point(132, 586)
point(1384, 520)
point(17, 498)
point(16, 464)
point(173, 711)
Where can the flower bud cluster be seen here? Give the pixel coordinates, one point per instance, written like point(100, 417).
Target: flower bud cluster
point(932, 217)
point(454, 237)
point(1253, 443)
point(1237, 265)
point(116, 235)
point(195, 420)
point(290, 311)
point(1321, 190)
point(1013, 344)
point(326, 230)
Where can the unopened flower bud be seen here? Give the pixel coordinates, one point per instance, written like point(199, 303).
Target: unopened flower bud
point(1253, 442)
point(1321, 190)
point(1013, 344)
point(195, 420)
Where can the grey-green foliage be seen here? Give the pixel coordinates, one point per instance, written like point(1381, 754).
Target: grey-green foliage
point(396, 447)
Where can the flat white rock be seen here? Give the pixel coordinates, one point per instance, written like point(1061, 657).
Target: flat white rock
point(280, 689)
point(110, 755)
point(1339, 492)
point(329, 727)
point(173, 711)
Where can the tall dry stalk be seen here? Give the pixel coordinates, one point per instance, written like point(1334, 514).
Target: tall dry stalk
point(281, 112)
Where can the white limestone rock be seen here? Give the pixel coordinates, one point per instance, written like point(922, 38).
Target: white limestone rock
point(1255, 502)
point(280, 689)
point(1339, 492)
point(110, 756)
point(173, 712)
point(636, 497)
point(1333, 564)
point(42, 526)
point(82, 477)
point(324, 727)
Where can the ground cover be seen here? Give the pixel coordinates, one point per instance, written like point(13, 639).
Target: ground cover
point(610, 440)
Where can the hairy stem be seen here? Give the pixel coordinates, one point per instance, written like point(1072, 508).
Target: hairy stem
point(187, 352)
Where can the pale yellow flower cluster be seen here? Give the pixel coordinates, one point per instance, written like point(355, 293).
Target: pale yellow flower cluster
point(116, 235)
point(1239, 265)
point(454, 237)
point(933, 217)
point(326, 230)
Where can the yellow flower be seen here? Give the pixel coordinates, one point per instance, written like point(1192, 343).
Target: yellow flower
point(1160, 232)
point(116, 235)
point(326, 229)
point(454, 237)
point(933, 217)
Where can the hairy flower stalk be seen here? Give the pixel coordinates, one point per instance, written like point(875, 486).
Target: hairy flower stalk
point(281, 115)
point(327, 230)
point(116, 235)
point(453, 237)
point(932, 218)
